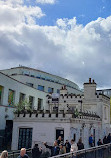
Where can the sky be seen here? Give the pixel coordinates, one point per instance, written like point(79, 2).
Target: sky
point(68, 38)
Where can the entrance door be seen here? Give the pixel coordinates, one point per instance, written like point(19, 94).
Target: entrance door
point(60, 132)
point(8, 134)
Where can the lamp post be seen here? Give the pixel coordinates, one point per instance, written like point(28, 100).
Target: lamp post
point(80, 101)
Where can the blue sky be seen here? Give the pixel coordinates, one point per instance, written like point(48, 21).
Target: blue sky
point(68, 38)
point(84, 10)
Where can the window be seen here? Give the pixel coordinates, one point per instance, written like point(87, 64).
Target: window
point(40, 103)
point(32, 75)
point(11, 96)
point(22, 97)
point(30, 84)
point(31, 101)
point(50, 90)
point(58, 90)
point(25, 138)
point(74, 137)
point(1, 93)
point(105, 115)
point(41, 88)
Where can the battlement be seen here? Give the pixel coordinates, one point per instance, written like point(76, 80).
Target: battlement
point(59, 115)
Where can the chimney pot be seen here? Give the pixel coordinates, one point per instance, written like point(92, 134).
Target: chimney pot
point(89, 80)
point(93, 81)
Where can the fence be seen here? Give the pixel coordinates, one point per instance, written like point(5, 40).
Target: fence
point(103, 151)
point(15, 154)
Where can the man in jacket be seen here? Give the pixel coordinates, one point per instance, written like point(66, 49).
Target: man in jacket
point(91, 141)
point(68, 146)
point(36, 152)
point(23, 153)
point(54, 149)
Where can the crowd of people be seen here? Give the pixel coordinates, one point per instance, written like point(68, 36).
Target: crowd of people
point(106, 140)
point(59, 147)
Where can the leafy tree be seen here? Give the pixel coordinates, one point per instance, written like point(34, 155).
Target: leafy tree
point(23, 106)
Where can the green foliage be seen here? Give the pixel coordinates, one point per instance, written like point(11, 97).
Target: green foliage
point(23, 106)
point(76, 112)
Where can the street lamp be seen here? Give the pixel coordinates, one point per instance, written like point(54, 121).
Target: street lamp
point(80, 101)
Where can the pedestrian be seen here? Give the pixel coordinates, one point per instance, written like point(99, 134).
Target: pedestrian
point(4, 154)
point(91, 141)
point(59, 140)
point(23, 153)
point(36, 152)
point(54, 149)
point(80, 144)
point(99, 142)
point(99, 150)
point(68, 146)
point(105, 140)
point(61, 151)
point(74, 148)
point(109, 138)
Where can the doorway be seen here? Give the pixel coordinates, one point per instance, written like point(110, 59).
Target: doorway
point(60, 132)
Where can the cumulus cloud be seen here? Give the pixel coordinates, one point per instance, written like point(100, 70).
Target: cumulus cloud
point(67, 49)
point(46, 1)
point(14, 12)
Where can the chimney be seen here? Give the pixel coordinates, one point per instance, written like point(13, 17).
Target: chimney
point(89, 80)
point(63, 90)
point(90, 89)
point(93, 81)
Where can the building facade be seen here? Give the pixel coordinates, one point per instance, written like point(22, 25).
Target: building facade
point(22, 83)
point(41, 80)
point(69, 115)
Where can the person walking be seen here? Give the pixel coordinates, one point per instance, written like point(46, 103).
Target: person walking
point(59, 140)
point(74, 148)
point(36, 152)
point(99, 142)
point(54, 149)
point(4, 154)
point(80, 144)
point(105, 140)
point(99, 150)
point(61, 151)
point(23, 153)
point(109, 138)
point(80, 147)
point(68, 146)
point(91, 141)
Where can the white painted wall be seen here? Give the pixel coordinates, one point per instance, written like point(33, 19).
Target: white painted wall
point(44, 129)
point(9, 83)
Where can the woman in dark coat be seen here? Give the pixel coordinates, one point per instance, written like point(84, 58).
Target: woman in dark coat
point(80, 144)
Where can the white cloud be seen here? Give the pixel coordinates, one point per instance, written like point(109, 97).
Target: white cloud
point(14, 12)
point(46, 1)
point(67, 49)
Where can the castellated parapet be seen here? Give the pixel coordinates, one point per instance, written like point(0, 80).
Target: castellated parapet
point(64, 116)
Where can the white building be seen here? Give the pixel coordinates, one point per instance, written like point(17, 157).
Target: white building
point(22, 83)
point(70, 115)
point(41, 80)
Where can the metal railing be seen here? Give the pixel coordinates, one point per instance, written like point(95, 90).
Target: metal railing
point(103, 151)
point(15, 154)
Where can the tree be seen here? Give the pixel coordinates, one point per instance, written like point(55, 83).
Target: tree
point(23, 106)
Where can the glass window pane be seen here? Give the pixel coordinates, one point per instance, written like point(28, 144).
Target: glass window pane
point(41, 88)
point(50, 90)
point(11, 97)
